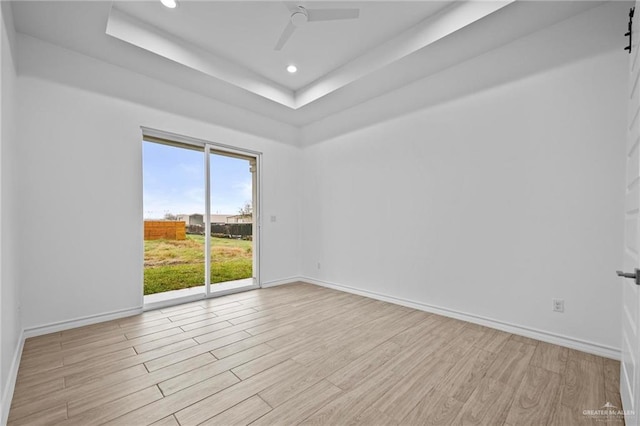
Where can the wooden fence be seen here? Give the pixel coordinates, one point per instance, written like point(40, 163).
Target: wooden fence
point(164, 230)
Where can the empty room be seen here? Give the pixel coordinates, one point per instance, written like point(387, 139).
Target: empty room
point(319, 212)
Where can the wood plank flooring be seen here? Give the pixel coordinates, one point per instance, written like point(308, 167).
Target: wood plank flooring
point(302, 354)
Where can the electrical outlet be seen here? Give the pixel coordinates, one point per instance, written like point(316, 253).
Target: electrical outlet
point(558, 305)
point(318, 265)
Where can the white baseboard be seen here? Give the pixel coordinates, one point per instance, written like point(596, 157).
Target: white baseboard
point(545, 336)
point(281, 282)
point(79, 322)
point(7, 392)
point(569, 342)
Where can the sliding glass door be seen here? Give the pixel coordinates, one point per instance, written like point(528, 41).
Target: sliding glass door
point(173, 200)
point(200, 216)
point(231, 209)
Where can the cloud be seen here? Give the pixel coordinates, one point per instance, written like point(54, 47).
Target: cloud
point(246, 189)
point(191, 169)
point(195, 195)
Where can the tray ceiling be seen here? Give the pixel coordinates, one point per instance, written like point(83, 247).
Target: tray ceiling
point(224, 50)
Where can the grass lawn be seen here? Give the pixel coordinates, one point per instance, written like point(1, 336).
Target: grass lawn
point(172, 265)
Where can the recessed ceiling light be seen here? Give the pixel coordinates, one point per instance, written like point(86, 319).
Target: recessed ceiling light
point(292, 68)
point(171, 4)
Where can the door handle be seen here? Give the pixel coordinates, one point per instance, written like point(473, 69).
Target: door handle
point(633, 275)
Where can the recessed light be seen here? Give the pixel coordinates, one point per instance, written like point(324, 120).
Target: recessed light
point(292, 68)
point(171, 4)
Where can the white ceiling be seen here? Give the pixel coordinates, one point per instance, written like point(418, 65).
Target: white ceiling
point(336, 53)
point(246, 32)
point(224, 50)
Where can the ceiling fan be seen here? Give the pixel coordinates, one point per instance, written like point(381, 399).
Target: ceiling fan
point(301, 15)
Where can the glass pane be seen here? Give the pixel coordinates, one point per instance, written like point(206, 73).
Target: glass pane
point(231, 220)
point(173, 203)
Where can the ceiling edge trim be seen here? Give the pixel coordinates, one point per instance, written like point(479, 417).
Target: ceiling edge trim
point(419, 36)
point(148, 37)
point(145, 36)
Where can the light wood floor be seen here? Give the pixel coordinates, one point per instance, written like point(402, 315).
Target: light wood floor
point(303, 354)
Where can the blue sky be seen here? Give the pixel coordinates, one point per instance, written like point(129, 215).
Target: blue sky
point(173, 182)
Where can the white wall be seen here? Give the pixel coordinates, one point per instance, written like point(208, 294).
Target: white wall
point(488, 205)
point(78, 170)
point(10, 326)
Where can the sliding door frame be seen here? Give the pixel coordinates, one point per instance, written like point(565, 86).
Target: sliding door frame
point(208, 148)
point(207, 222)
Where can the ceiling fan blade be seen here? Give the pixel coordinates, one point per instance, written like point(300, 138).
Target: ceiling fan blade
point(288, 30)
point(332, 14)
